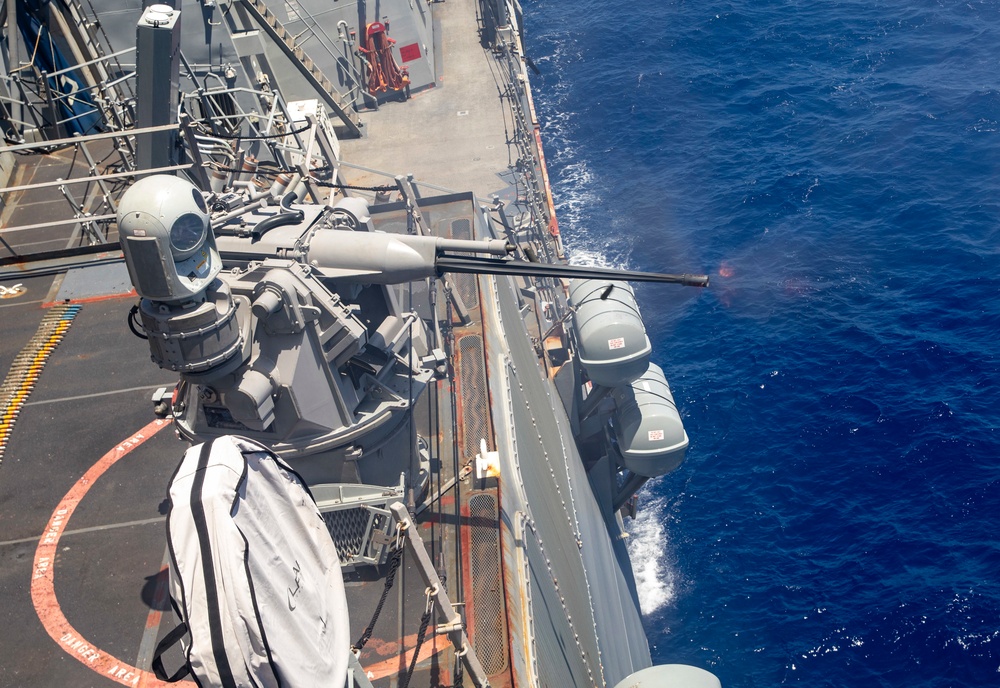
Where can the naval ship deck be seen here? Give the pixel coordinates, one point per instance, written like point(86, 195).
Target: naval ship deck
point(82, 503)
point(85, 464)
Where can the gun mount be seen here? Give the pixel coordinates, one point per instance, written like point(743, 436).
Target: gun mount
point(284, 324)
point(298, 340)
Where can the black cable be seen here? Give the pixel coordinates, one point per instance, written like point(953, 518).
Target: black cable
point(331, 185)
point(264, 137)
point(317, 182)
point(132, 322)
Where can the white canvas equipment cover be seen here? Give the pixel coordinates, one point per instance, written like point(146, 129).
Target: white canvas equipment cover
point(254, 573)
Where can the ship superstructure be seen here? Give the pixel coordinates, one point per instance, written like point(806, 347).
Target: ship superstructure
point(338, 241)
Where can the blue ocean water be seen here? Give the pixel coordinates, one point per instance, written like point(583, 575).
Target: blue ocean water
point(835, 167)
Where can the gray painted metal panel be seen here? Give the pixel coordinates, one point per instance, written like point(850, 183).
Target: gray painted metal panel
point(564, 511)
point(202, 41)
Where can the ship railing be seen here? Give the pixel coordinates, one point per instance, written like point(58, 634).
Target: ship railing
point(58, 103)
point(14, 109)
point(538, 219)
point(96, 170)
point(222, 123)
point(390, 177)
point(438, 601)
point(532, 220)
point(83, 25)
point(32, 97)
point(353, 64)
point(99, 166)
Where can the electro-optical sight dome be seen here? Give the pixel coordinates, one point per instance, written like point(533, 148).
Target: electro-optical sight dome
point(167, 240)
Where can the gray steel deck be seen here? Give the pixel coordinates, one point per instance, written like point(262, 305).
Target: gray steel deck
point(96, 622)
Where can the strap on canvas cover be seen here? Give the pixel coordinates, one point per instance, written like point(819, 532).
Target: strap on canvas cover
point(168, 641)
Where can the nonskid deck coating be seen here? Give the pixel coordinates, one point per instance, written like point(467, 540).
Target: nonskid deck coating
point(83, 588)
point(94, 395)
point(114, 540)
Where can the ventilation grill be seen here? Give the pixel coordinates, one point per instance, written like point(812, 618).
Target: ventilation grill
point(490, 639)
point(348, 528)
point(475, 415)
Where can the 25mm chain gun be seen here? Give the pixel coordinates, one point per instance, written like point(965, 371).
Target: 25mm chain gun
point(297, 338)
point(284, 321)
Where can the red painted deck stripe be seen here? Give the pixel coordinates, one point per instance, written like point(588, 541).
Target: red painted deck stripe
point(43, 593)
point(131, 294)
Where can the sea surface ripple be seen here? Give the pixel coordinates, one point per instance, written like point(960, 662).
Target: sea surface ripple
point(834, 167)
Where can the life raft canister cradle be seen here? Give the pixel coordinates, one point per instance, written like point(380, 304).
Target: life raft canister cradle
point(383, 72)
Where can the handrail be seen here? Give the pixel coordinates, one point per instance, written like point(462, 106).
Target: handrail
point(75, 67)
point(55, 143)
point(112, 175)
point(57, 223)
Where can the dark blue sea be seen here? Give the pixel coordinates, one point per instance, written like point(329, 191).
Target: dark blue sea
point(835, 168)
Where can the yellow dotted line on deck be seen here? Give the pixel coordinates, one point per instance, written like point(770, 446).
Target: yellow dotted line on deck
point(28, 364)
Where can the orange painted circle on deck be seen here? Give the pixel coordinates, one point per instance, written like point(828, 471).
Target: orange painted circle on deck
point(43, 593)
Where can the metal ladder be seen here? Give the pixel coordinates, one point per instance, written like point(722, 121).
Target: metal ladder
point(313, 74)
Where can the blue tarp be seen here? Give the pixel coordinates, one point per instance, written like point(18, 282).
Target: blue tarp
point(75, 105)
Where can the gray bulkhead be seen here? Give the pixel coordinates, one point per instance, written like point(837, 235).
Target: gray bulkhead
point(555, 522)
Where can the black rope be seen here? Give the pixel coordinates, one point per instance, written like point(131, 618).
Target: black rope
point(425, 621)
point(459, 673)
point(394, 561)
point(258, 172)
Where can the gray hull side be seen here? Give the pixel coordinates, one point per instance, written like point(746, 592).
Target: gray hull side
point(577, 578)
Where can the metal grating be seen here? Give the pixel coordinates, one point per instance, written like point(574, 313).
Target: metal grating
point(490, 639)
point(465, 285)
point(348, 528)
point(475, 414)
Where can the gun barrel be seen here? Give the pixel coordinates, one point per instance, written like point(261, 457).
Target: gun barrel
point(491, 266)
point(494, 247)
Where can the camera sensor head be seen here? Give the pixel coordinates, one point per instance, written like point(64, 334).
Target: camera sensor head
point(167, 239)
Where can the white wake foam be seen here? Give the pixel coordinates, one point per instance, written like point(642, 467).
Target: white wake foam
point(655, 579)
point(589, 258)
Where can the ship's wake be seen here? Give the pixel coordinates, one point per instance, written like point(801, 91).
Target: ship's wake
point(655, 579)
